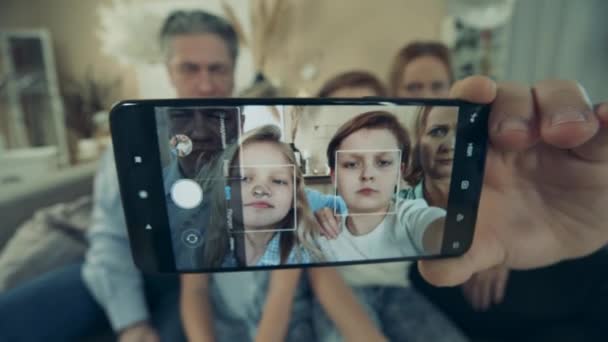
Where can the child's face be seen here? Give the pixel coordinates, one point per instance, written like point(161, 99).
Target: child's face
point(437, 142)
point(367, 170)
point(267, 185)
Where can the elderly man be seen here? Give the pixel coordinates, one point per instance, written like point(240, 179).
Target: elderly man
point(69, 304)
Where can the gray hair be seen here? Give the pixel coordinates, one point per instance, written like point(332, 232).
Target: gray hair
point(197, 22)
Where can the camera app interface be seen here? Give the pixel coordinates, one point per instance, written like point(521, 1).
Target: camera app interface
point(274, 185)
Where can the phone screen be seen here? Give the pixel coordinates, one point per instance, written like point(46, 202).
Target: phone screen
point(266, 185)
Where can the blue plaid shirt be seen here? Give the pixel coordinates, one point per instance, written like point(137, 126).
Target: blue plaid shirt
point(298, 255)
point(416, 192)
point(272, 255)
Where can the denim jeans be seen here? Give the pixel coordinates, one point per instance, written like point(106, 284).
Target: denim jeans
point(58, 306)
point(400, 313)
point(567, 301)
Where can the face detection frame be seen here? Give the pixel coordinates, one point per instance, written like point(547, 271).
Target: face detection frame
point(229, 196)
point(337, 194)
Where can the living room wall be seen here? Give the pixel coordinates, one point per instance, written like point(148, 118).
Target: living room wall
point(333, 35)
point(72, 25)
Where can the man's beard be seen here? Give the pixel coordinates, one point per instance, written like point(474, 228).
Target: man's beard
point(205, 158)
point(192, 167)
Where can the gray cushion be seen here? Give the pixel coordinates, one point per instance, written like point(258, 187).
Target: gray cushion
point(54, 237)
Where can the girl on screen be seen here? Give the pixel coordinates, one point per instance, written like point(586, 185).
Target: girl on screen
point(260, 214)
point(367, 156)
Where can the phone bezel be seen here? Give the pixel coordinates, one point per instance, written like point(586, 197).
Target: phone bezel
point(152, 249)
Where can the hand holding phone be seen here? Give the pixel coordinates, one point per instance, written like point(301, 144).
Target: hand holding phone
point(236, 194)
point(545, 190)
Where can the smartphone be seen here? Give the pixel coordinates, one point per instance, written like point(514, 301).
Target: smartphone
point(215, 185)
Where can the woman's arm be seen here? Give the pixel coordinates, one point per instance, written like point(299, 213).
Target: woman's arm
point(342, 306)
point(195, 307)
point(277, 309)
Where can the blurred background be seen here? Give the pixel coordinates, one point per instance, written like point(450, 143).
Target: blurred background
point(64, 63)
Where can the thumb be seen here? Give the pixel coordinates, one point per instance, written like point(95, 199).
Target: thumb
point(476, 89)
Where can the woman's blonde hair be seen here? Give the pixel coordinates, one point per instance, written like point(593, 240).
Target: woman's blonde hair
point(217, 234)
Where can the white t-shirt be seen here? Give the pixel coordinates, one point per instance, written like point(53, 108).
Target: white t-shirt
point(399, 235)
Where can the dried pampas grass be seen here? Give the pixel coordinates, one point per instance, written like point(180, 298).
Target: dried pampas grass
point(129, 32)
point(266, 24)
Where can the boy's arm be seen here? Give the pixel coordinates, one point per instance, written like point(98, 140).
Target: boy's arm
point(423, 225)
point(325, 208)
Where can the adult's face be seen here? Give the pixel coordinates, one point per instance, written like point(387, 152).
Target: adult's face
point(200, 65)
point(437, 142)
point(424, 77)
point(209, 129)
point(353, 92)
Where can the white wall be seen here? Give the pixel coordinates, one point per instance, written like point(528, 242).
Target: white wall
point(561, 39)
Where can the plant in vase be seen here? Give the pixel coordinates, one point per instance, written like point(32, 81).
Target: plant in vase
point(86, 100)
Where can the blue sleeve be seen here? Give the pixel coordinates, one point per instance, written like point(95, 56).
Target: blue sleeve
point(318, 200)
point(109, 271)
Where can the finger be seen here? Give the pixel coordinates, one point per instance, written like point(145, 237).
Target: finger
point(326, 229)
point(512, 124)
point(475, 293)
point(336, 222)
point(331, 232)
point(477, 89)
point(596, 149)
point(332, 223)
point(486, 292)
point(500, 286)
point(485, 252)
point(566, 116)
point(467, 290)
point(323, 231)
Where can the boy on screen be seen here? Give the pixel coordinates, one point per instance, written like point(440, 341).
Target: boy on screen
point(367, 155)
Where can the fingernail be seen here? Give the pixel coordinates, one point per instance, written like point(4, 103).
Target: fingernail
point(494, 87)
point(568, 116)
point(513, 124)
